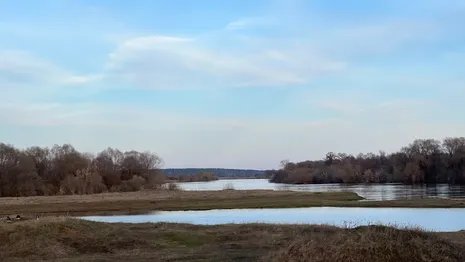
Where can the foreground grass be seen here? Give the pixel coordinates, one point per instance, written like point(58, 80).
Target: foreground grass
point(168, 200)
point(60, 239)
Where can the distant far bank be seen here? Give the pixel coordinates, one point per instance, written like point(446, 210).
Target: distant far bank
point(221, 173)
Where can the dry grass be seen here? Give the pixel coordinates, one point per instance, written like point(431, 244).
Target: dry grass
point(166, 194)
point(371, 244)
point(62, 239)
point(166, 200)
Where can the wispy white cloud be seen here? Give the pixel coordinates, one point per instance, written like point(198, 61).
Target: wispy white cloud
point(243, 23)
point(84, 79)
point(238, 24)
point(162, 62)
point(20, 67)
point(230, 57)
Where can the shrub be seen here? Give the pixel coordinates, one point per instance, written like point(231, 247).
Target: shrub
point(173, 187)
point(228, 186)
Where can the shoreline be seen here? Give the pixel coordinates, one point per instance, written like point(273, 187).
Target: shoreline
point(162, 200)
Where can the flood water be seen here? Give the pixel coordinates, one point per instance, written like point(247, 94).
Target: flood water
point(437, 219)
point(434, 219)
point(368, 191)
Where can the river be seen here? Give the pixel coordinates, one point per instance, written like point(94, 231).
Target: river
point(367, 191)
point(433, 219)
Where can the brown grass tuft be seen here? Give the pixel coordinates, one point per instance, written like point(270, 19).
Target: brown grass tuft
point(50, 238)
point(370, 244)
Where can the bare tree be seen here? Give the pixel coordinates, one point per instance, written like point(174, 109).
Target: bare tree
point(41, 158)
point(64, 170)
point(9, 156)
point(454, 145)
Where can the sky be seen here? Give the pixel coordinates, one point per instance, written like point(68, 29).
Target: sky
point(233, 83)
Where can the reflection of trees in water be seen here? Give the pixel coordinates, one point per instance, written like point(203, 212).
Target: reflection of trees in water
point(456, 191)
point(383, 191)
point(430, 190)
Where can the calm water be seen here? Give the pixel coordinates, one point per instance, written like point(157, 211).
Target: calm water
point(369, 192)
point(440, 219)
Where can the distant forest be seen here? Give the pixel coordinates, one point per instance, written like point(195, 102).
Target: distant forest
point(219, 172)
point(423, 161)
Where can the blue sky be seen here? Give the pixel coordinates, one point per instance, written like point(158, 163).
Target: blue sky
point(239, 84)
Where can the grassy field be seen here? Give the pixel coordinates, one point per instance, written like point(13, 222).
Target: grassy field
point(145, 201)
point(167, 200)
point(61, 239)
point(66, 239)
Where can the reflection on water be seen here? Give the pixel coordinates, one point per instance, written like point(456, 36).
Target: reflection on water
point(440, 219)
point(368, 191)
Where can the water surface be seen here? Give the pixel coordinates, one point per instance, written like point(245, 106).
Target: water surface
point(368, 191)
point(437, 219)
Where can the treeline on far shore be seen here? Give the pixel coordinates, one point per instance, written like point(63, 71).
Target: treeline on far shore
point(62, 170)
point(221, 173)
point(210, 176)
point(422, 161)
point(200, 177)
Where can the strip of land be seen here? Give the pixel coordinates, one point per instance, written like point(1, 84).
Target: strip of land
point(146, 201)
point(65, 239)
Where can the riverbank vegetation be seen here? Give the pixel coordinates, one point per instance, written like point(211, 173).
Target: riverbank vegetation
point(422, 161)
point(147, 201)
point(62, 170)
point(199, 177)
point(66, 239)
